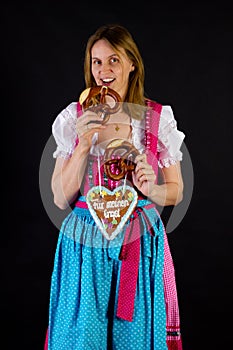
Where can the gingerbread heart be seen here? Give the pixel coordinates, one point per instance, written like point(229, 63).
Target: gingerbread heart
point(111, 209)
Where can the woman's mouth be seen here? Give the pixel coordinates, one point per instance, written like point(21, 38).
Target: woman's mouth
point(107, 81)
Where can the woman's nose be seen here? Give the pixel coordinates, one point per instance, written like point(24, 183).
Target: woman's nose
point(105, 67)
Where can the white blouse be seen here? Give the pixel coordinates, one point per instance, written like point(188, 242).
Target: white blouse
point(169, 137)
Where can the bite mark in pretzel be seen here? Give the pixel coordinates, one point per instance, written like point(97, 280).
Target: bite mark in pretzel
point(86, 100)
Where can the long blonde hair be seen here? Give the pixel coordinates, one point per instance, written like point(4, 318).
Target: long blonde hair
point(119, 37)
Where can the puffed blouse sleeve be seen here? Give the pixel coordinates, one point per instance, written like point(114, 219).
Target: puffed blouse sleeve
point(64, 131)
point(169, 139)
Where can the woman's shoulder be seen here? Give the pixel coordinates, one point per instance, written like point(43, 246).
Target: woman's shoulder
point(70, 110)
point(165, 111)
point(67, 115)
point(66, 118)
point(152, 103)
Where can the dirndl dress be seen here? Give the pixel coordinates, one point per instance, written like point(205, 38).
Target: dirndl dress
point(97, 301)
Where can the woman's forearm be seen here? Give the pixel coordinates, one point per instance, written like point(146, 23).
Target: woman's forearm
point(167, 194)
point(67, 180)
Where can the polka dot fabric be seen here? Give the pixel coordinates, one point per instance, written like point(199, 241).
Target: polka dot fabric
point(85, 284)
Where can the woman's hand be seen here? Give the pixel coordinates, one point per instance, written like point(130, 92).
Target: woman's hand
point(143, 176)
point(169, 192)
point(87, 125)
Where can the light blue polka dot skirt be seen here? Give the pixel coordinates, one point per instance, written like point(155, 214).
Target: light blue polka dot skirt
point(84, 289)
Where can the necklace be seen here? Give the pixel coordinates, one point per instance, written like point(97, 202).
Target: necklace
point(122, 119)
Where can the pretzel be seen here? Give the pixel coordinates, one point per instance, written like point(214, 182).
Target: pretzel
point(123, 151)
point(119, 159)
point(86, 100)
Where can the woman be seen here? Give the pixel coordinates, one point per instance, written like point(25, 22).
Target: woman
point(114, 293)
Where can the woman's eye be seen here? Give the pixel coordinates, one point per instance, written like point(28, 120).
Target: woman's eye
point(114, 59)
point(97, 62)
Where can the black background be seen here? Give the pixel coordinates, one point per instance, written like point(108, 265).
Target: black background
point(188, 60)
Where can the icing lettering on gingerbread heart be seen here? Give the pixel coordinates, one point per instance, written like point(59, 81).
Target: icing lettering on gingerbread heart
point(111, 209)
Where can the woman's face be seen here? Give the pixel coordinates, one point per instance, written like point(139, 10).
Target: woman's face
point(111, 68)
